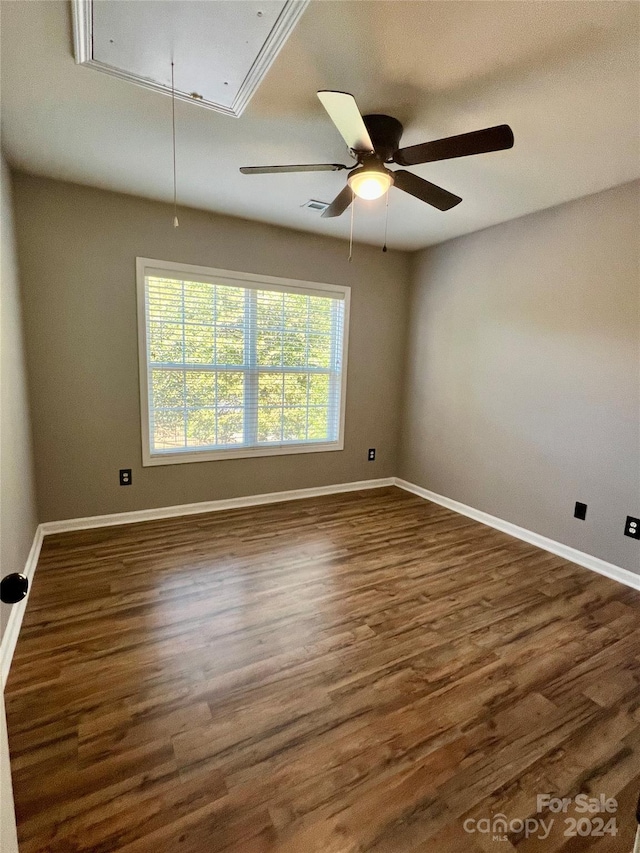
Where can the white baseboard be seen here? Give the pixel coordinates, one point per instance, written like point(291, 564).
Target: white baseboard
point(207, 506)
point(10, 636)
point(616, 573)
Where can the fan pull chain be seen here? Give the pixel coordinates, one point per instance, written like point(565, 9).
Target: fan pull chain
point(386, 222)
point(173, 123)
point(353, 207)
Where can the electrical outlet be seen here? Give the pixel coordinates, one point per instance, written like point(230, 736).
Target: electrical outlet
point(125, 476)
point(632, 527)
point(372, 454)
point(580, 511)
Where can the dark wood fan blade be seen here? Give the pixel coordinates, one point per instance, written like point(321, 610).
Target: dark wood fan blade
point(302, 167)
point(425, 191)
point(340, 203)
point(496, 138)
point(344, 113)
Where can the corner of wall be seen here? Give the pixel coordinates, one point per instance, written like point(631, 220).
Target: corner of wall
point(521, 377)
point(18, 503)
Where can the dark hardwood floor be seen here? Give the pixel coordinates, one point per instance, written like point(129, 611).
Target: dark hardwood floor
point(360, 672)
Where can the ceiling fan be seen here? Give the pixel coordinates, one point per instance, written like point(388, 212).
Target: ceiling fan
point(374, 140)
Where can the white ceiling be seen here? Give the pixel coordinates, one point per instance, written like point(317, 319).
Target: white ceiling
point(564, 75)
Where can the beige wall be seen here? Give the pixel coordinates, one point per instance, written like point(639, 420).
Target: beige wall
point(522, 389)
point(18, 519)
point(78, 248)
point(522, 383)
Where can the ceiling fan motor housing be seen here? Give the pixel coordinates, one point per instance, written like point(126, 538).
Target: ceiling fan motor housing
point(385, 133)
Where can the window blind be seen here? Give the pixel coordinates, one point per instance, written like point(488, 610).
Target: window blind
point(231, 366)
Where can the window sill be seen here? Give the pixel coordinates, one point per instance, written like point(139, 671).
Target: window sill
point(182, 457)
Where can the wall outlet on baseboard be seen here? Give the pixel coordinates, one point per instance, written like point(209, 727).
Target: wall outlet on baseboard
point(125, 476)
point(372, 454)
point(580, 511)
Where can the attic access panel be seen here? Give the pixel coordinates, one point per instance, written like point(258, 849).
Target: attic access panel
point(221, 49)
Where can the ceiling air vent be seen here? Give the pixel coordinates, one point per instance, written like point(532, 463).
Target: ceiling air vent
point(314, 204)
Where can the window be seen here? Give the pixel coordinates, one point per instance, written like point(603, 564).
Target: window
point(233, 364)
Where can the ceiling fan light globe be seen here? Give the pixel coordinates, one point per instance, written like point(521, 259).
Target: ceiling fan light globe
point(369, 184)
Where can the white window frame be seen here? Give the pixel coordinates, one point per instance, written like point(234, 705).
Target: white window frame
point(150, 266)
